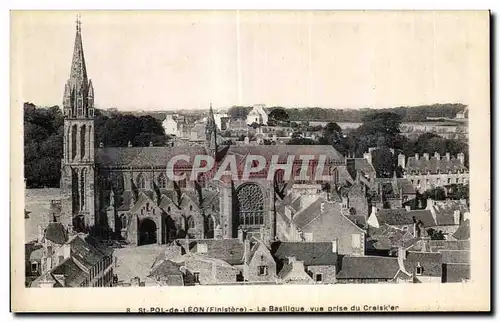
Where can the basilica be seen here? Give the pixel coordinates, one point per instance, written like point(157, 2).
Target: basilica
point(125, 193)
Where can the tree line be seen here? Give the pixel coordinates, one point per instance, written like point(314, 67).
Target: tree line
point(381, 131)
point(43, 139)
point(406, 113)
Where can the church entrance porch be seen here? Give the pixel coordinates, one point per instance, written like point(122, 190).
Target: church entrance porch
point(147, 232)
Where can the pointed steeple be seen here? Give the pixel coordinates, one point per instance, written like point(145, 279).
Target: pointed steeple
point(91, 90)
point(78, 74)
point(211, 132)
point(78, 98)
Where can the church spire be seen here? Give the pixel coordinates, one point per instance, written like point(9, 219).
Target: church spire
point(78, 74)
point(78, 98)
point(211, 131)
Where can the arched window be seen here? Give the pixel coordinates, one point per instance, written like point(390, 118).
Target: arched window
point(82, 141)
point(123, 220)
point(162, 181)
point(210, 226)
point(190, 222)
point(83, 182)
point(74, 132)
point(141, 181)
point(250, 204)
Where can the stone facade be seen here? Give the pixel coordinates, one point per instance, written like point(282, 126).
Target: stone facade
point(323, 274)
point(125, 193)
point(425, 172)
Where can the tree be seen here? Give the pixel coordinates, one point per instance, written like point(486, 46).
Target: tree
point(239, 112)
point(43, 139)
point(301, 141)
point(437, 193)
point(279, 114)
point(435, 234)
point(384, 162)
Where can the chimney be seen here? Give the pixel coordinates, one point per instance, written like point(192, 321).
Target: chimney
point(246, 250)
point(437, 156)
point(40, 234)
point(426, 156)
point(48, 260)
point(368, 157)
point(457, 217)
point(66, 250)
point(461, 158)
point(416, 156)
point(241, 235)
point(401, 253)
point(186, 243)
point(334, 246)
point(430, 204)
point(448, 156)
point(401, 160)
point(291, 259)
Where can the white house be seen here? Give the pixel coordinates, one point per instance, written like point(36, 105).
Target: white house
point(170, 125)
point(218, 119)
point(258, 115)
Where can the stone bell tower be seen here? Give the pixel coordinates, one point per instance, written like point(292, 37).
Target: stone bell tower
point(77, 167)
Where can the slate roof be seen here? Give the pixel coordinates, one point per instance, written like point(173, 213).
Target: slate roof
point(56, 233)
point(285, 150)
point(445, 211)
point(36, 255)
point(306, 215)
point(360, 164)
point(430, 262)
point(43, 278)
point(433, 165)
point(143, 156)
point(165, 270)
point(359, 220)
point(228, 250)
point(368, 267)
point(73, 274)
point(85, 253)
point(403, 217)
point(455, 273)
point(456, 256)
point(391, 238)
point(397, 185)
point(436, 245)
point(30, 248)
point(463, 231)
point(311, 253)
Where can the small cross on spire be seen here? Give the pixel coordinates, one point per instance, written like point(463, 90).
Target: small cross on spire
point(78, 23)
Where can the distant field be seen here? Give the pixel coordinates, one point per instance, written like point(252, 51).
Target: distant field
point(37, 202)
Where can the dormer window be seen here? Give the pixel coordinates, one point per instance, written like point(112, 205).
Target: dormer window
point(419, 269)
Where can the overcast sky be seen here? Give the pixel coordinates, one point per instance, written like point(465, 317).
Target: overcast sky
point(185, 60)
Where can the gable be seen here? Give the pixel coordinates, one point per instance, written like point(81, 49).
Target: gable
point(145, 206)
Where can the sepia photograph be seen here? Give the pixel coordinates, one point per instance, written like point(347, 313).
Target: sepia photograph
point(240, 152)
